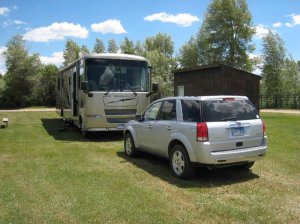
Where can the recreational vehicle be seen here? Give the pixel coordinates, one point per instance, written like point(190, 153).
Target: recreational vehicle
point(101, 92)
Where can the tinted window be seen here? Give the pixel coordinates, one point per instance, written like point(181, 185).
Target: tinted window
point(168, 110)
point(191, 110)
point(229, 110)
point(151, 113)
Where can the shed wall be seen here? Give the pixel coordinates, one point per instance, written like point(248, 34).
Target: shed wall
point(220, 80)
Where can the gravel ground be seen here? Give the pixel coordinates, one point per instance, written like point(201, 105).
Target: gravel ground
point(285, 111)
point(30, 110)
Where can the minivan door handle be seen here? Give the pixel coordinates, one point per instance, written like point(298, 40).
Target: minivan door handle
point(150, 126)
point(169, 128)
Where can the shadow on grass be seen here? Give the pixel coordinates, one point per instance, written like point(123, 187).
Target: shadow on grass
point(204, 178)
point(71, 133)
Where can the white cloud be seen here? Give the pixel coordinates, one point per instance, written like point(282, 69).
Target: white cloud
point(109, 26)
point(6, 23)
point(257, 58)
point(278, 24)
point(56, 31)
point(2, 60)
point(19, 22)
point(295, 20)
point(4, 10)
point(261, 31)
point(181, 19)
point(57, 58)
point(15, 7)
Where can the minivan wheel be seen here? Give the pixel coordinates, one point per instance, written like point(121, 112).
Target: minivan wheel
point(180, 163)
point(129, 146)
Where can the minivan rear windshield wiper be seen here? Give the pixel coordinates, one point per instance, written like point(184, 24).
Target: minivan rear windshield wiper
point(229, 119)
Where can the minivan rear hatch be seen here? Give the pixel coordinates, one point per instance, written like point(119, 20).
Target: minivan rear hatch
point(233, 123)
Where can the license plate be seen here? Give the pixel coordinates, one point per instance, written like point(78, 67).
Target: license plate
point(120, 126)
point(238, 131)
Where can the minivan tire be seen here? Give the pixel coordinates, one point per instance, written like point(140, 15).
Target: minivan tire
point(129, 146)
point(180, 163)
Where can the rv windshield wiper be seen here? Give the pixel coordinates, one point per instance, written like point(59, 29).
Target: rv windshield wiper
point(132, 90)
point(229, 119)
point(107, 92)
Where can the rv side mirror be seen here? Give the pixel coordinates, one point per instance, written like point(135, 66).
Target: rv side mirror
point(155, 87)
point(83, 85)
point(138, 117)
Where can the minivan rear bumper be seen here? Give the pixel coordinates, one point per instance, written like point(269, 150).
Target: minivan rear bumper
point(205, 156)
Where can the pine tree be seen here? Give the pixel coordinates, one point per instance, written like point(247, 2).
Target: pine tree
point(112, 46)
point(71, 52)
point(99, 46)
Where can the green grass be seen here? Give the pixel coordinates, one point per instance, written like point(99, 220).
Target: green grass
point(47, 176)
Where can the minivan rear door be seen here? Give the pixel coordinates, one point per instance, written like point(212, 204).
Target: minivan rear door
point(233, 123)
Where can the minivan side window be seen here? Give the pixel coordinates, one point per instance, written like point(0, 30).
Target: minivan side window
point(151, 113)
point(168, 110)
point(191, 110)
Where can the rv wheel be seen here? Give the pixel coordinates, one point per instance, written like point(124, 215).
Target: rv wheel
point(83, 132)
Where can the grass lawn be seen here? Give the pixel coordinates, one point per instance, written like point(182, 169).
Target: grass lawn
point(47, 176)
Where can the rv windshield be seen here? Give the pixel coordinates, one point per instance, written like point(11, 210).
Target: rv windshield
point(117, 75)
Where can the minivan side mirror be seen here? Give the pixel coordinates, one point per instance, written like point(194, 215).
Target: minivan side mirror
point(138, 117)
point(83, 85)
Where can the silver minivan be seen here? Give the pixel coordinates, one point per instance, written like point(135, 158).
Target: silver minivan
point(211, 131)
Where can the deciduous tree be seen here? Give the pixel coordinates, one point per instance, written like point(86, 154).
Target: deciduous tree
point(188, 54)
point(20, 75)
point(274, 55)
point(226, 33)
point(159, 52)
point(161, 42)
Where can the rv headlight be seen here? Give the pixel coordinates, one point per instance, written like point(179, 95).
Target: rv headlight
point(95, 116)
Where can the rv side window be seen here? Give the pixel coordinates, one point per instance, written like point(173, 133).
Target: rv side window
point(81, 71)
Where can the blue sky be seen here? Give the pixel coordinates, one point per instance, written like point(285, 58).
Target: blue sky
point(46, 24)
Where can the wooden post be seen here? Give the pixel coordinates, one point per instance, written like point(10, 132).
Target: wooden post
point(5, 121)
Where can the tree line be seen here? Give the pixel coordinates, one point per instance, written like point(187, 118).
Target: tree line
point(225, 36)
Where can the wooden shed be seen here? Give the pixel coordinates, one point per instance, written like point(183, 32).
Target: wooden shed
point(216, 79)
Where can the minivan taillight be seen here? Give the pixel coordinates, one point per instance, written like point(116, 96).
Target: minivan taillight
point(264, 128)
point(202, 132)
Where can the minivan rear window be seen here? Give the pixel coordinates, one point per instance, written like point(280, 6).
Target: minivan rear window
point(228, 110)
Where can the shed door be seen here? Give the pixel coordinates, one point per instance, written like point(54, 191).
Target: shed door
point(180, 90)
